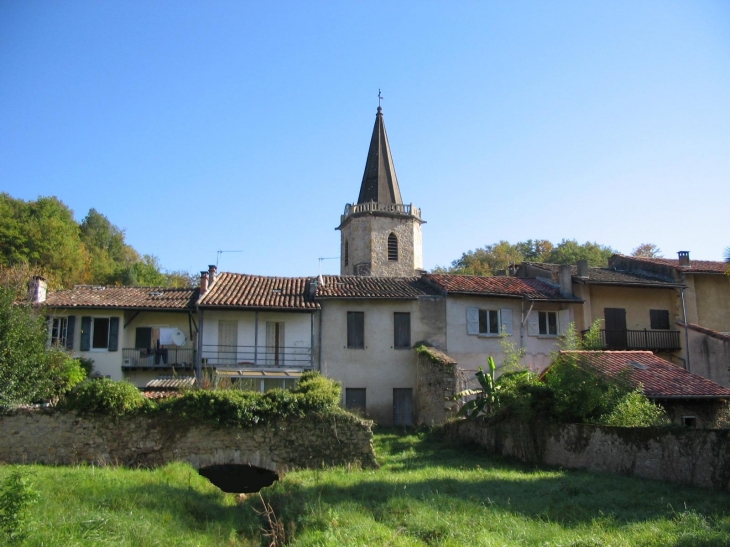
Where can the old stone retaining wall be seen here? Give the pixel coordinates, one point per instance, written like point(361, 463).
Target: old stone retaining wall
point(55, 437)
point(688, 456)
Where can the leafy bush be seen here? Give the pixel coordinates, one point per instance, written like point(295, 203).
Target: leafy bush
point(65, 371)
point(104, 396)
point(635, 410)
point(16, 495)
point(313, 393)
point(522, 395)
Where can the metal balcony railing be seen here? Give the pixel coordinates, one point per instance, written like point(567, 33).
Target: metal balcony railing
point(158, 358)
point(256, 356)
point(651, 340)
point(377, 207)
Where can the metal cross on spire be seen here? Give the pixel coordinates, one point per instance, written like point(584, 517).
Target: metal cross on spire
point(380, 97)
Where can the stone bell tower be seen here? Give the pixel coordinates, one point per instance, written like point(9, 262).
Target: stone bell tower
point(380, 236)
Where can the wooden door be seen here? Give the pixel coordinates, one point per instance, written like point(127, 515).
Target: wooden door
point(403, 406)
point(616, 335)
point(227, 342)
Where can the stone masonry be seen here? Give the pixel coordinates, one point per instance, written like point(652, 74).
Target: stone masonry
point(55, 437)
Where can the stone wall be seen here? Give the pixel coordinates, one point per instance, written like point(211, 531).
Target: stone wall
point(54, 437)
point(437, 383)
point(688, 456)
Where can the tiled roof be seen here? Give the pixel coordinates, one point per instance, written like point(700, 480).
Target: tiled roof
point(91, 296)
point(258, 292)
point(700, 266)
point(352, 286)
point(658, 377)
point(709, 332)
point(532, 289)
point(609, 276)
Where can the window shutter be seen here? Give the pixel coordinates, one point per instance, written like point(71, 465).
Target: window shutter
point(356, 329)
point(401, 330)
point(113, 333)
point(70, 331)
point(472, 320)
point(563, 321)
point(85, 334)
point(533, 328)
point(506, 318)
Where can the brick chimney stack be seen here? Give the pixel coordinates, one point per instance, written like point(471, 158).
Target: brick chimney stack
point(684, 258)
point(565, 279)
point(212, 273)
point(203, 283)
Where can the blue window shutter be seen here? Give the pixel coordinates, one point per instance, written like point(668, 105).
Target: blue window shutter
point(70, 331)
point(85, 334)
point(113, 333)
point(506, 316)
point(472, 320)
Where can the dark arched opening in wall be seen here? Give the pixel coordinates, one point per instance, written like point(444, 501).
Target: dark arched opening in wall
point(239, 478)
point(392, 247)
point(347, 253)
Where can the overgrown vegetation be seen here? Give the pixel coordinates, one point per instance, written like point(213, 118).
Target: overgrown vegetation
point(427, 492)
point(16, 497)
point(29, 371)
point(221, 407)
point(569, 391)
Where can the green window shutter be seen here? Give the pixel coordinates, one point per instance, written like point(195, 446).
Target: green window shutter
point(113, 333)
point(85, 334)
point(70, 332)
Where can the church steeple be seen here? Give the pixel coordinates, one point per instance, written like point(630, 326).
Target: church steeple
point(380, 235)
point(379, 182)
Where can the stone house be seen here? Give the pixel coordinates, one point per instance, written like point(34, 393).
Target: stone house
point(689, 399)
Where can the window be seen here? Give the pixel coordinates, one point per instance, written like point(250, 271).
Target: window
point(99, 333)
point(392, 247)
point(62, 331)
point(356, 329)
point(355, 399)
point(347, 253)
point(487, 322)
point(659, 319)
point(689, 421)
point(401, 330)
point(548, 323)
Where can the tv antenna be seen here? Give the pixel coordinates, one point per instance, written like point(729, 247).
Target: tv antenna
point(321, 258)
point(218, 257)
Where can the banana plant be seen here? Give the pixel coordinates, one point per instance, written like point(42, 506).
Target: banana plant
point(486, 397)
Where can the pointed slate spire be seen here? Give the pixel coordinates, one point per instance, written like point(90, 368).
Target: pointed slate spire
point(379, 182)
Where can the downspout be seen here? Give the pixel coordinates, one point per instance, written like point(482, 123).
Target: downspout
point(199, 360)
point(256, 338)
point(311, 338)
point(686, 332)
point(319, 336)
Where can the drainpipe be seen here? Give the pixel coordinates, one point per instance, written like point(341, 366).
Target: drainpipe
point(256, 338)
point(311, 338)
point(200, 347)
point(686, 331)
point(319, 335)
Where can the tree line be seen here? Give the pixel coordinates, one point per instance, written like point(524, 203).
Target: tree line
point(42, 237)
point(489, 259)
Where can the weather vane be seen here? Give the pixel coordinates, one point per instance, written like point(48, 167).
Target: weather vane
point(380, 97)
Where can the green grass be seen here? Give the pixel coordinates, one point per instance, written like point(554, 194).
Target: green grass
point(426, 493)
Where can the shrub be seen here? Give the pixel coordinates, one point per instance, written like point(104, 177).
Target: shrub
point(104, 396)
point(65, 371)
point(15, 497)
point(320, 391)
point(635, 410)
point(522, 395)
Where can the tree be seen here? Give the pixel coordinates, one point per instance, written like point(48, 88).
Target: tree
point(28, 370)
point(110, 258)
point(647, 250)
point(569, 251)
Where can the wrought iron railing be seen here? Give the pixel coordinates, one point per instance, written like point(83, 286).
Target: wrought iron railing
point(652, 340)
point(158, 358)
point(377, 207)
point(256, 356)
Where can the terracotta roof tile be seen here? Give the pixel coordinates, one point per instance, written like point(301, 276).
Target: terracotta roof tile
point(532, 289)
point(725, 337)
point(659, 378)
point(91, 296)
point(699, 266)
point(258, 292)
point(352, 286)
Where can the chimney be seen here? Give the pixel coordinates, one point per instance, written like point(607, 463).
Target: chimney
point(212, 273)
point(583, 268)
point(312, 289)
point(566, 280)
point(37, 289)
point(684, 258)
point(203, 283)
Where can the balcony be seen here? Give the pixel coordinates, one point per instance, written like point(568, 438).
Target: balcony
point(377, 207)
point(282, 357)
point(650, 340)
point(149, 359)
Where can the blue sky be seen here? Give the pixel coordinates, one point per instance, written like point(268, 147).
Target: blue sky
point(206, 126)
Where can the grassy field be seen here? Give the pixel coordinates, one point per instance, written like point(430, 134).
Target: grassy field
point(426, 493)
